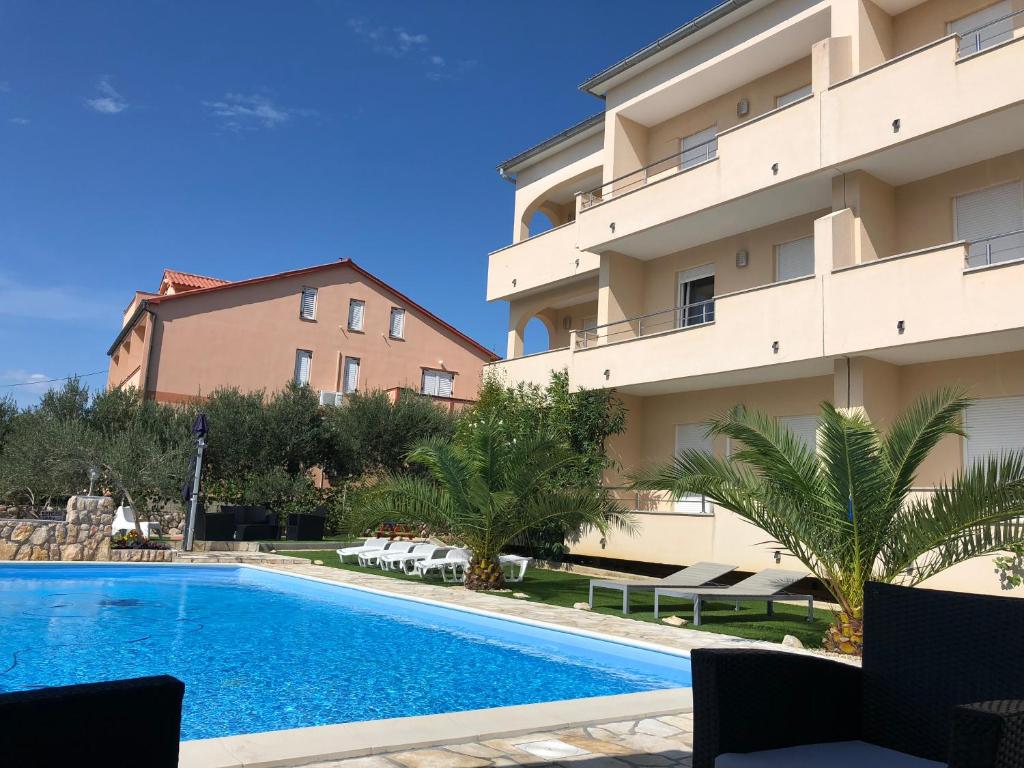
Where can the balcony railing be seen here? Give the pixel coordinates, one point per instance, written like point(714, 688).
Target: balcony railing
point(657, 503)
point(986, 35)
point(691, 157)
point(698, 313)
point(998, 248)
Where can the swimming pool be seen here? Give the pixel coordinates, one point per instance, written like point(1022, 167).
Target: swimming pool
point(263, 651)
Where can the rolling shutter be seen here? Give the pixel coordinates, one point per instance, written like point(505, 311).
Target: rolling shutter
point(356, 308)
point(699, 147)
point(993, 426)
point(794, 259)
point(983, 215)
point(789, 98)
point(308, 305)
point(437, 383)
point(351, 381)
point(804, 427)
point(692, 437)
point(303, 364)
point(984, 28)
point(397, 328)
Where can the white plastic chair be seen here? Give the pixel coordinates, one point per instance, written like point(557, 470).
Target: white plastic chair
point(124, 521)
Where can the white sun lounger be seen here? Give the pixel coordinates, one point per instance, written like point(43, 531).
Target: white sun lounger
point(395, 561)
point(454, 560)
point(124, 521)
point(372, 557)
point(514, 566)
point(767, 585)
point(367, 546)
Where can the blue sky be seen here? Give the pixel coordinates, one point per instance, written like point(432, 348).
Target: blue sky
point(243, 138)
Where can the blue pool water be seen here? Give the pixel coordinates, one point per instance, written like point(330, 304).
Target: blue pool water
point(262, 651)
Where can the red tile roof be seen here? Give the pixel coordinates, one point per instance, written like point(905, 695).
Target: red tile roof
point(189, 280)
point(220, 285)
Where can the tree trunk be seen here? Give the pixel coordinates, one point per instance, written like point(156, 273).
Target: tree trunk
point(485, 574)
point(845, 635)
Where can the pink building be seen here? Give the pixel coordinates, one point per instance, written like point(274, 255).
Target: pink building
point(332, 326)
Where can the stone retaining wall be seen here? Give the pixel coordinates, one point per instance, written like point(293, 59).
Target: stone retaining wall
point(142, 555)
point(84, 534)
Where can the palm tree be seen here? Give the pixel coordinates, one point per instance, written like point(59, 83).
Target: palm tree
point(848, 509)
point(485, 489)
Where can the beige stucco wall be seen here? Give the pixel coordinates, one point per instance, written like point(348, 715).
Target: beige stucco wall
point(128, 363)
point(247, 337)
point(928, 21)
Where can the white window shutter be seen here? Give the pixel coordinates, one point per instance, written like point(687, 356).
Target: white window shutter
point(789, 98)
point(794, 259)
point(307, 307)
point(983, 29)
point(993, 426)
point(984, 215)
point(303, 364)
point(804, 427)
point(444, 384)
point(692, 437)
point(429, 386)
point(355, 314)
point(397, 330)
point(351, 382)
point(699, 147)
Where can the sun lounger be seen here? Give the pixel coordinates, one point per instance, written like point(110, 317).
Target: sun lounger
point(450, 564)
point(514, 566)
point(372, 557)
point(367, 546)
point(698, 575)
point(396, 561)
point(767, 585)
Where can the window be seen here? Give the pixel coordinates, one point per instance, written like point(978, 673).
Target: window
point(437, 383)
point(696, 296)
point(692, 437)
point(303, 363)
point(794, 259)
point(789, 98)
point(991, 221)
point(804, 427)
point(351, 378)
point(699, 147)
point(397, 327)
point(993, 426)
point(983, 29)
point(355, 314)
point(307, 307)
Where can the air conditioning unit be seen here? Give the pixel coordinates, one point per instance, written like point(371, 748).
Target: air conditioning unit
point(331, 398)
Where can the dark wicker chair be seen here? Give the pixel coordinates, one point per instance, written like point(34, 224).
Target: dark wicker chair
point(306, 527)
point(254, 523)
point(118, 724)
point(942, 680)
point(215, 526)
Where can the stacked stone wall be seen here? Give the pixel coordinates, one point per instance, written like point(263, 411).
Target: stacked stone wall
point(84, 534)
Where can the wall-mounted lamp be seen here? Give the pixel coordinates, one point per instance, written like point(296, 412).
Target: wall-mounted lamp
point(604, 542)
point(775, 347)
point(778, 556)
point(607, 373)
point(900, 326)
point(514, 282)
point(567, 322)
point(742, 258)
point(896, 125)
point(742, 108)
point(611, 226)
point(577, 263)
point(775, 169)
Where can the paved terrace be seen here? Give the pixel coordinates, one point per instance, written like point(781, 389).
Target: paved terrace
point(658, 738)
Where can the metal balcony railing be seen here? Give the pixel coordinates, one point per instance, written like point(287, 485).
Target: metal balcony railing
point(691, 157)
point(1008, 246)
point(658, 503)
point(698, 313)
point(986, 35)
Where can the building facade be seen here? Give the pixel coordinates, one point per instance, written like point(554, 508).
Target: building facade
point(334, 327)
point(782, 202)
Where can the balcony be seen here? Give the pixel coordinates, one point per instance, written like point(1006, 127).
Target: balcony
point(531, 369)
point(952, 109)
point(955, 299)
point(650, 211)
point(541, 261)
point(764, 333)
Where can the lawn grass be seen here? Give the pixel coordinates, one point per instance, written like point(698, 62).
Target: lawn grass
point(564, 589)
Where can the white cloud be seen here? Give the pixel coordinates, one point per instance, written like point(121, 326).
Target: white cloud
point(396, 42)
point(55, 302)
point(31, 385)
point(109, 102)
point(238, 112)
point(19, 120)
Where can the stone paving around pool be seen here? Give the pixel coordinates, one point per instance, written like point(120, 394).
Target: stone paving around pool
point(661, 741)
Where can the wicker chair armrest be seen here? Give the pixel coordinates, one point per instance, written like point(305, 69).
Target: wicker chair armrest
point(747, 700)
point(987, 734)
